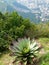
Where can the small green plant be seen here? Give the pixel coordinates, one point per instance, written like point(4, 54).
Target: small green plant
point(45, 59)
point(25, 51)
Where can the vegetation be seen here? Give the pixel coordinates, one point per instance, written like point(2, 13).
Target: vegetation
point(5, 59)
point(45, 59)
point(45, 43)
point(13, 26)
point(25, 51)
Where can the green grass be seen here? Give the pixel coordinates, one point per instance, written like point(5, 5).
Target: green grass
point(44, 59)
point(5, 59)
point(44, 42)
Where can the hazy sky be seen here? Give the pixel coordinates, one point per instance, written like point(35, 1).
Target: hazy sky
point(29, 3)
point(32, 0)
point(47, 1)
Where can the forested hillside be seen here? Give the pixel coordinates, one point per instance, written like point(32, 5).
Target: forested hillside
point(13, 26)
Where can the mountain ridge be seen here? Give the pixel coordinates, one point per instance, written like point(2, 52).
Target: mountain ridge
point(34, 10)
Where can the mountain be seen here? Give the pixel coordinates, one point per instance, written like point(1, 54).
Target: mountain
point(13, 5)
point(2, 7)
point(39, 7)
point(34, 10)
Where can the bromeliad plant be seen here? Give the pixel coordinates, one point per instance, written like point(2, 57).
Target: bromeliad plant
point(25, 51)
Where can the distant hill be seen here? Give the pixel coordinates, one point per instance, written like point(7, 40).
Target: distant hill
point(35, 14)
point(21, 9)
point(12, 6)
